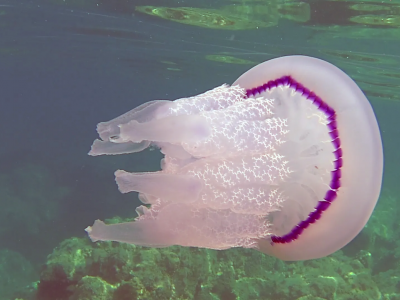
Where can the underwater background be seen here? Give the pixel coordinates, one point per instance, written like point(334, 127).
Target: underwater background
point(66, 65)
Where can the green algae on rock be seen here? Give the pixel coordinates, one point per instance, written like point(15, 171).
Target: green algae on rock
point(79, 270)
point(15, 272)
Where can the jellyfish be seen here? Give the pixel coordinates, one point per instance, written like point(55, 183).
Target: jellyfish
point(287, 160)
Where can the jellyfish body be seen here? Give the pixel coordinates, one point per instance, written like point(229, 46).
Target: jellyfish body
point(288, 160)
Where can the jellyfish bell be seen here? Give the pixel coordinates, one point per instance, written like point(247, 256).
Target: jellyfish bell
point(361, 158)
point(288, 160)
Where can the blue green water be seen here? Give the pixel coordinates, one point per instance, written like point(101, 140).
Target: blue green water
point(67, 65)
